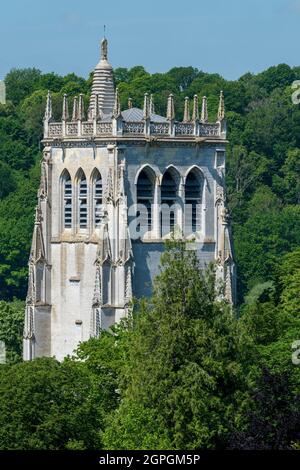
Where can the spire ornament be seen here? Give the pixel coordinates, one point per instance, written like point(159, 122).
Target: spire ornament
point(121, 189)
point(104, 247)
point(109, 190)
point(37, 251)
point(80, 107)
point(28, 332)
point(95, 326)
point(117, 105)
point(195, 116)
point(65, 110)
point(97, 297)
point(129, 103)
point(75, 109)
point(146, 108)
point(103, 85)
point(43, 188)
point(104, 47)
point(152, 109)
point(221, 109)
point(204, 113)
point(170, 108)
point(186, 114)
point(128, 286)
point(48, 110)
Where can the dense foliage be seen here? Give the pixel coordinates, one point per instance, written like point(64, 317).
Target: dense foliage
point(183, 371)
point(263, 169)
point(11, 328)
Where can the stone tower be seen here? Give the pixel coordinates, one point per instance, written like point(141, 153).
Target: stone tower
point(114, 186)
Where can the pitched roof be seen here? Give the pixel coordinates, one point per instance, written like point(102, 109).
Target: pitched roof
point(136, 115)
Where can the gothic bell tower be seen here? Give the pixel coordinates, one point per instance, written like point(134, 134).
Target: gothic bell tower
point(114, 186)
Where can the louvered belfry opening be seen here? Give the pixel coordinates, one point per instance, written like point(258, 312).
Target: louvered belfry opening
point(193, 200)
point(82, 202)
point(67, 190)
point(98, 194)
point(145, 196)
point(168, 203)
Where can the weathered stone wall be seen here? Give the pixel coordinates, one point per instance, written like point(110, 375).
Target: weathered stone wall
point(72, 252)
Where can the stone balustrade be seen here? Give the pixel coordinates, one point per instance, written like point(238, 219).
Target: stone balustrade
point(124, 128)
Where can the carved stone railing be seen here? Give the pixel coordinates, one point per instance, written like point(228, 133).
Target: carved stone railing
point(182, 128)
point(142, 128)
point(211, 130)
point(55, 129)
point(71, 128)
point(87, 128)
point(160, 128)
point(133, 127)
point(103, 128)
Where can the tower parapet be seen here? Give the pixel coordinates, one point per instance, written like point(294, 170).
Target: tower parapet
point(133, 123)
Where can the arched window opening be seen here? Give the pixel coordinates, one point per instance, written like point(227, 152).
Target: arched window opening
point(97, 194)
point(145, 195)
point(82, 202)
point(193, 200)
point(67, 191)
point(168, 203)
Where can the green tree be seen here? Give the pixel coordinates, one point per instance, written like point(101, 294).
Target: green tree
point(21, 83)
point(273, 416)
point(291, 177)
point(48, 405)
point(16, 224)
point(7, 180)
point(11, 328)
point(183, 76)
point(182, 363)
point(268, 231)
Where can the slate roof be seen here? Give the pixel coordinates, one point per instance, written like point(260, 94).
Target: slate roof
point(136, 115)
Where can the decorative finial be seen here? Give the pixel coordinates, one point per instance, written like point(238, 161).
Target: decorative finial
point(170, 108)
point(152, 109)
point(129, 103)
point(196, 109)
point(80, 107)
point(97, 298)
point(204, 113)
point(48, 110)
point(221, 109)
point(65, 110)
point(38, 215)
point(104, 49)
point(75, 109)
point(128, 286)
point(117, 106)
point(146, 110)
point(186, 114)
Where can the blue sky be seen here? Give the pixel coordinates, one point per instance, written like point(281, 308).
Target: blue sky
point(230, 37)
